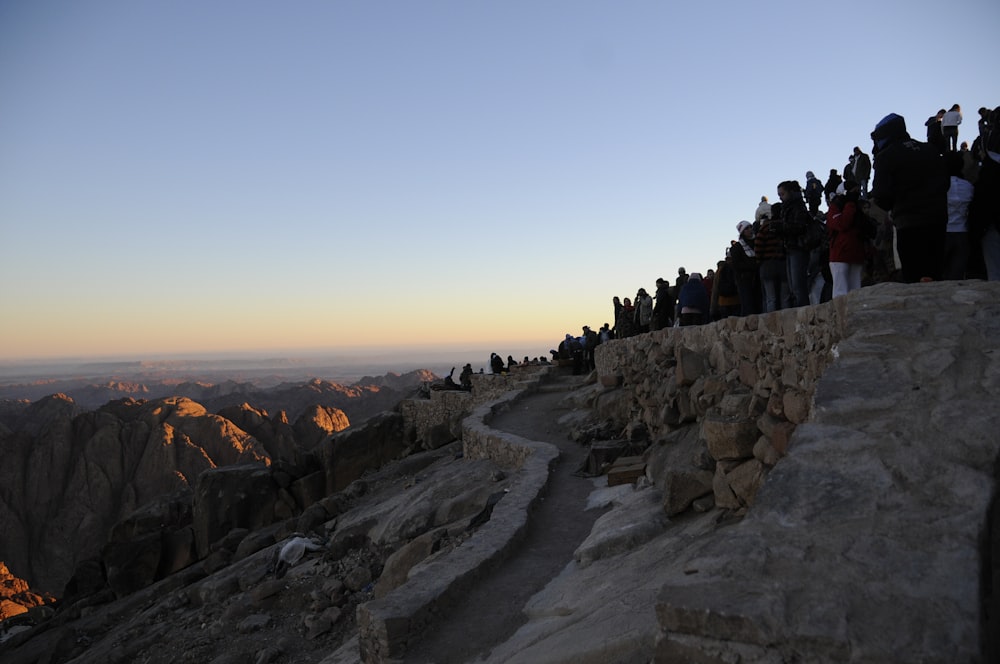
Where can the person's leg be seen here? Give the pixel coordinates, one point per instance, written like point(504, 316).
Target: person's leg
point(991, 253)
point(854, 272)
point(816, 288)
point(798, 269)
point(921, 252)
point(839, 272)
point(770, 285)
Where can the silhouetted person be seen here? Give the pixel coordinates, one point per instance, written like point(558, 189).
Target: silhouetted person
point(911, 183)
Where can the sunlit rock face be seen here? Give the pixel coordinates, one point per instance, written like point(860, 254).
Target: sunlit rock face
point(69, 476)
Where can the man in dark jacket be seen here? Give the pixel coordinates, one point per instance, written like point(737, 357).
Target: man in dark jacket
point(911, 183)
point(663, 312)
point(813, 192)
point(862, 170)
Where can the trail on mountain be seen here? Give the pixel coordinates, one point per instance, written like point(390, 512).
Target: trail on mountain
point(492, 610)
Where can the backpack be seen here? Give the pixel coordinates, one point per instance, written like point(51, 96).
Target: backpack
point(814, 235)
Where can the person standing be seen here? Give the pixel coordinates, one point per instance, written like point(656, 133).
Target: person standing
point(746, 269)
point(911, 183)
point(949, 127)
point(847, 243)
point(693, 301)
point(643, 310)
point(862, 170)
point(814, 192)
point(832, 182)
point(770, 252)
point(795, 220)
point(663, 312)
point(625, 322)
point(935, 137)
point(984, 211)
point(956, 249)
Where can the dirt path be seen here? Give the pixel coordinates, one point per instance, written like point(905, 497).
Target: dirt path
point(491, 611)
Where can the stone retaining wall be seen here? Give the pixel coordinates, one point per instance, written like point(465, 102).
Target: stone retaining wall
point(675, 376)
point(870, 541)
point(430, 420)
point(386, 626)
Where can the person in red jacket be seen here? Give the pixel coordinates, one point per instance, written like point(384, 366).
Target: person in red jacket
point(847, 241)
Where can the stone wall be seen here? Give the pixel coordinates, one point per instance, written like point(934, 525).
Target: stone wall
point(436, 421)
point(386, 625)
point(744, 383)
point(870, 538)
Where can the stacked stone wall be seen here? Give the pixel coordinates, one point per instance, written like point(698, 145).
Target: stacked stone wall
point(744, 383)
point(435, 421)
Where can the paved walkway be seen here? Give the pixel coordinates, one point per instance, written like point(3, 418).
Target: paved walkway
point(492, 610)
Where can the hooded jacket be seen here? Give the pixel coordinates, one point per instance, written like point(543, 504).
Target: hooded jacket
point(911, 178)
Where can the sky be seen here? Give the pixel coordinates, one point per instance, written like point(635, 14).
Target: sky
point(185, 177)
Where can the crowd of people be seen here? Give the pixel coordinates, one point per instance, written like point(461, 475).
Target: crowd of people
point(932, 213)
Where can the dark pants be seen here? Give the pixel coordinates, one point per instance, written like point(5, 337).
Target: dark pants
point(692, 318)
point(921, 251)
point(798, 275)
point(950, 138)
point(749, 290)
point(956, 255)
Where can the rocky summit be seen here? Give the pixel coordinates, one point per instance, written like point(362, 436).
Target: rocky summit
point(816, 484)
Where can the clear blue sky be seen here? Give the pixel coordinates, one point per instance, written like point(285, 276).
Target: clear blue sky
point(184, 176)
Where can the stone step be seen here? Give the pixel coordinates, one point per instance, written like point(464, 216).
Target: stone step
point(626, 470)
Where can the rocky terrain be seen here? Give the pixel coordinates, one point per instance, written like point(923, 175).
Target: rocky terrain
point(811, 485)
point(70, 474)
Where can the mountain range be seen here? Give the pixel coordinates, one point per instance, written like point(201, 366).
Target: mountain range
point(78, 460)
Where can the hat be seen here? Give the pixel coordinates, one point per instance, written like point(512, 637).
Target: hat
point(743, 225)
point(809, 174)
point(841, 190)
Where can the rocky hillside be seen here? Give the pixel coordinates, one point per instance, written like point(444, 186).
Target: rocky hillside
point(69, 476)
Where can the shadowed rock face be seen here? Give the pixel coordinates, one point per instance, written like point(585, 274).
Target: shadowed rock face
point(68, 477)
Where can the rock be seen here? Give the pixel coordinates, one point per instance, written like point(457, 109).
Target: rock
point(347, 455)
point(268, 655)
point(764, 452)
point(266, 589)
point(132, 565)
point(729, 438)
point(357, 578)
point(399, 564)
point(638, 519)
point(231, 497)
point(9, 609)
point(724, 495)
point(691, 365)
point(796, 406)
point(316, 625)
point(745, 480)
point(317, 423)
point(253, 623)
point(779, 432)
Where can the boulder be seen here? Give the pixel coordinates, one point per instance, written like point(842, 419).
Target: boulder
point(232, 497)
point(729, 438)
point(348, 454)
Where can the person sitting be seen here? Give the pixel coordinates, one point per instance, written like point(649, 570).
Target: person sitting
point(496, 364)
point(465, 378)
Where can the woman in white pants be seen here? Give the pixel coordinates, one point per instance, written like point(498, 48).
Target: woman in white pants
point(847, 241)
